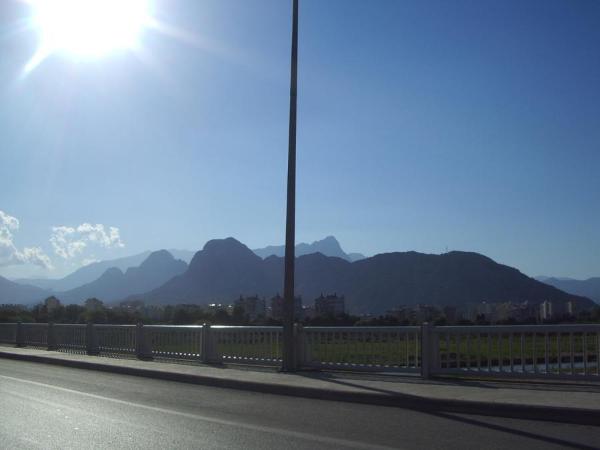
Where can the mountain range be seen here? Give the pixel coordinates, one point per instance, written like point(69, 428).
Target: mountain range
point(113, 284)
point(93, 271)
point(158, 268)
point(225, 269)
point(588, 288)
point(12, 292)
point(328, 246)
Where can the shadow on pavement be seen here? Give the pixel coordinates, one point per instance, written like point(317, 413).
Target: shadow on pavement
point(526, 434)
point(445, 406)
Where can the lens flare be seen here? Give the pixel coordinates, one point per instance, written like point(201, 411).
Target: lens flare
point(90, 28)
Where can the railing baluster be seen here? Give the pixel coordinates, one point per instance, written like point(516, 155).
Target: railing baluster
point(499, 353)
point(546, 349)
point(511, 337)
point(479, 351)
point(585, 362)
point(447, 353)
point(572, 353)
point(559, 351)
point(522, 351)
point(407, 349)
point(489, 352)
point(468, 351)
point(598, 353)
point(459, 353)
point(417, 351)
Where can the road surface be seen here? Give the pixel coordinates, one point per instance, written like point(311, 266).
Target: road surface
point(43, 406)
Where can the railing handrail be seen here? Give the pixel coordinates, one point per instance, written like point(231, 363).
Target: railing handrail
point(364, 329)
point(248, 327)
point(577, 327)
point(352, 327)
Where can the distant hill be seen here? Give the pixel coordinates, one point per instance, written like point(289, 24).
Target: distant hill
point(114, 284)
point(588, 288)
point(354, 256)
point(223, 269)
point(93, 271)
point(86, 274)
point(328, 246)
point(226, 268)
point(11, 292)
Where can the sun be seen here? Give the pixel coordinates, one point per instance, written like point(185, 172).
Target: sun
point(89, 28)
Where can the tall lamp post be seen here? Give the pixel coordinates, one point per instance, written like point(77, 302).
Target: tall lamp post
point(289, 350)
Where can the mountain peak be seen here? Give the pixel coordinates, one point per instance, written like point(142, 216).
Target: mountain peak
point(227, 245)
point(328, 246)
point(229, 241)
point(157, 258)
point(227, 249)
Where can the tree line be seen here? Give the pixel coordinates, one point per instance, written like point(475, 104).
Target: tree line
point(95, 311)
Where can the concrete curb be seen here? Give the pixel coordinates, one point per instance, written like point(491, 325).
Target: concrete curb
point(581, 416)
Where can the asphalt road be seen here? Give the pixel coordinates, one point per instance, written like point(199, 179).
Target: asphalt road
point(44, 406)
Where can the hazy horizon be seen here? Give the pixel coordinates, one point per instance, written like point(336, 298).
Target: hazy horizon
point(425, 126)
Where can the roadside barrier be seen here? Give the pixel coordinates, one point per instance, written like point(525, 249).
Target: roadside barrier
point(521, 351)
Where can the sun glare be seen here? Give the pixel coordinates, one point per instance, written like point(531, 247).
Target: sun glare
point(89, 28)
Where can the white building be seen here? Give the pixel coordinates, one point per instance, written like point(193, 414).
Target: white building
point(546, 310)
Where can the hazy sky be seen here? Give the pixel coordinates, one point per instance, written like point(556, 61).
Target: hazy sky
point(422, 125)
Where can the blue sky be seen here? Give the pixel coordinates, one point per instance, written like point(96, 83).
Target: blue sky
point(425, 125)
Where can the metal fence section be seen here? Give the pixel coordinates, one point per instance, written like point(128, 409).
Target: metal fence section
point(35, 334)
point(70, 338)
point(116, 339)
point(8, 333)
point(175, 342)
point(541, 351)
point(262, 345)
point(362, 348)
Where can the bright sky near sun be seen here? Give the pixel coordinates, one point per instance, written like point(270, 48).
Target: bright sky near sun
point(422, 125)
point(87, 28)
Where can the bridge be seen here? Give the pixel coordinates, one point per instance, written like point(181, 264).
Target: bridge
point(445, 383)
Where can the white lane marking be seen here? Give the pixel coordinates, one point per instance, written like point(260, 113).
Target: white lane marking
point(231, 423)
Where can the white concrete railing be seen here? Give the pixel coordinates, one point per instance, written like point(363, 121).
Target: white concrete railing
point(541, 351)
point(8, 333)
point(241, 344)
point(362, 348)
point(175, 341)
point(70, 338)
point(35, 334)
point(116, 339)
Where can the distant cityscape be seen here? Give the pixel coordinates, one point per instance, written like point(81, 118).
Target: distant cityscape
point(326, 309)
